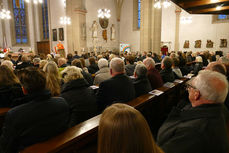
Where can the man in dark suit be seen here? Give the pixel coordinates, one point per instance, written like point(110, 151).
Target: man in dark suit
point(117, 89)
point(152, 73)
point(199, 126)
point(41, 118)
point(167, 73)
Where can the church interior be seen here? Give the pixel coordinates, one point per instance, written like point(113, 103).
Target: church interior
point(114, 76)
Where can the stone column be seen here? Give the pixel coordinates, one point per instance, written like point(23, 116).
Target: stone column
point(118, 6)
point(176, 45)
point(75, 9)
point(145, 29)
point(150, 27)
point(156, 30)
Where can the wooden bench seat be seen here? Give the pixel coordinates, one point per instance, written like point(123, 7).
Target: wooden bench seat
point(82, 138)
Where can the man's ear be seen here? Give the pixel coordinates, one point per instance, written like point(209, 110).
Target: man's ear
point(24, 90)
point(111, 71)
point(135, 75)
point(197, 95)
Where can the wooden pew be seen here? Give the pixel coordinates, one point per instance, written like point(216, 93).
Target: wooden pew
point(82, 138)
point(3, 112)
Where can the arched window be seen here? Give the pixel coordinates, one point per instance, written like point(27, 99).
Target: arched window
point(223, 17)
point(220, 18)
point(137, 14)
point(45, 24)
point(20, 26)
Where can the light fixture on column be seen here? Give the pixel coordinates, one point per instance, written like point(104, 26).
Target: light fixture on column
point(186, 20)
point(34, 1)
point(219, 7)
point(104, 13)
point(159, 3)
point(5, 14)
point(65, 20)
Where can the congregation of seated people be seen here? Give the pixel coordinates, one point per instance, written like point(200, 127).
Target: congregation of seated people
point(49, 94)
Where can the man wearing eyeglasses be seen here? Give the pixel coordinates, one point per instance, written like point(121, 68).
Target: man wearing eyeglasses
point(200, 126)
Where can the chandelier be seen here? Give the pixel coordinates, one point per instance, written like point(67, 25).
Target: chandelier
point(35, 1)
point(186, 20)
point(159, 3)
point(104, 13)
point(65, 20)
point(5, 14)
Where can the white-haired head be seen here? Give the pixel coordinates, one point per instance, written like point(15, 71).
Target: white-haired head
point(117, 66)
point(199, 59)
point(9, 64)
point(71, 73)
point(102, 63)
point(149, 63)
point(213, 86)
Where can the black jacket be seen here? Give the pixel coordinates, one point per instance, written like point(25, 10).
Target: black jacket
point(167, 75)
point(93, 68)
point(199, 129)
point(116, 89)
point(81, 99)
point(9, 94)
point(23, 65)
point(142, 86)
point(36, 121)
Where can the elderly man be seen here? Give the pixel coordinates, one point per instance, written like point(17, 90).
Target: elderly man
point(152, 73)
point(141, 83)
point(119, 88)
point(200, 126)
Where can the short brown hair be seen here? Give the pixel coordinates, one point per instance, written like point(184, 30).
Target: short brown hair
point(32, 79)
point(77, 63)
point(7, 76)
point(123, 129)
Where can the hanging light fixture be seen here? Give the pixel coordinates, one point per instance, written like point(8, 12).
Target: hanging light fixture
point(35, 1)
point(5, 14)
point(104, 13)
point(65, 20)
point(159, 3)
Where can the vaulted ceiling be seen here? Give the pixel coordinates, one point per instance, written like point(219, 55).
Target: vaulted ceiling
point(204, 6)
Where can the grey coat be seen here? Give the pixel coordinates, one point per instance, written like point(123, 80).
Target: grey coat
point(102, 75)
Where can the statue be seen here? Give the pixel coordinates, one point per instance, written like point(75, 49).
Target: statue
point(113, 32)
point(94, 29)
point(198, 44)
point(209, 44)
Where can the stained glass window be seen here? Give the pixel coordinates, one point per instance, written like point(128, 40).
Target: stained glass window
point(223, 17)
point(139, 13)
point(45, 23)
point(20, 21)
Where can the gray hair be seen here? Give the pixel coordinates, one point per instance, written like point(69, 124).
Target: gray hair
point(72, 73)
point(36, 60)
point(149, 62)
point(140, 70)
point(167, 61)
point(212, 85)
point(199, 59)
point(117, 65)
point(224, 60)
point(102, 63)
point(8, 63)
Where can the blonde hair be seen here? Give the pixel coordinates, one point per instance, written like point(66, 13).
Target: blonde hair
point(71, 73)
point(123, 129)
point(42, 64)
point(52, 78)
point(7, 77)
point(9, 64)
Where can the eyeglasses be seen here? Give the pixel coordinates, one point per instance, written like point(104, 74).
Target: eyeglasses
point(188, 86)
